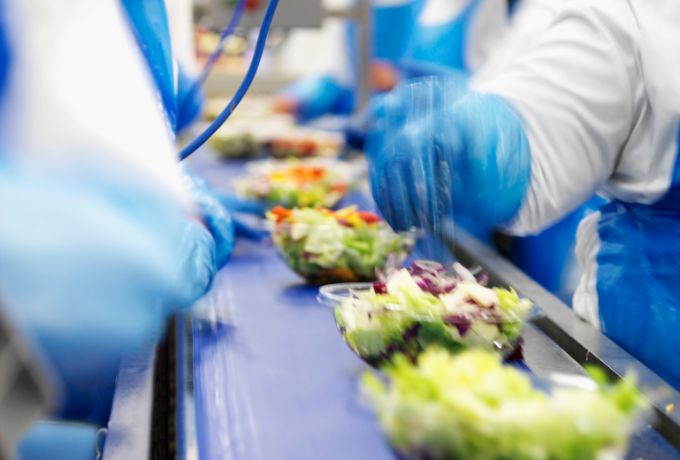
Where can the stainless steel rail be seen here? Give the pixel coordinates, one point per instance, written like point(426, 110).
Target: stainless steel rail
point(575, 338)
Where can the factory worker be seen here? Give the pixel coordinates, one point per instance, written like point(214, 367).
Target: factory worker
point(411, 38)
point(329, 86)
point(92, 93)
point(100, 239)
point(593, 107)
point(181, 100)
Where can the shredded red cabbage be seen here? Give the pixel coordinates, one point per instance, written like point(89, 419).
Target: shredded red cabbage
point(432, 277)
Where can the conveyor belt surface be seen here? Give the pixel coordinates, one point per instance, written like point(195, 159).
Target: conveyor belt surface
point(271, 378)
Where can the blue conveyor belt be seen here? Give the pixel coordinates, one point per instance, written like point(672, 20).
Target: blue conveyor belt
point(273, 378)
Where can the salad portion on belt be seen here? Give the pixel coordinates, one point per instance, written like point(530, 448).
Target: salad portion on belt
point(325, 246)
point(305, 143)
point(423, 305)
point(296, 184)
point(469, 406)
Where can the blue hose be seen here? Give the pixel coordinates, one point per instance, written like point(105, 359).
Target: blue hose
point(233, 24)
point(243, 88)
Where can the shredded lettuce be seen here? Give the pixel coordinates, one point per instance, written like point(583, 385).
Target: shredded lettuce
point(424, 305)
point(324, 246)
point(469, 406)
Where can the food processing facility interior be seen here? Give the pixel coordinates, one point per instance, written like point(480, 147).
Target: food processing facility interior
point(339, 229)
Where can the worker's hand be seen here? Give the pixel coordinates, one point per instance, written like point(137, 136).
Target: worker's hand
point(410, 102)
point(89, 270)
point(198, 261)
point(215, 216)
point(445, 159)
point(315, 96)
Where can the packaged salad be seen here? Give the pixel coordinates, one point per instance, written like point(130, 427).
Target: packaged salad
point(305, 143)
point(294, 184)
point(471, 407)
point(423, 305)
point(325, 246)
point(230, 145)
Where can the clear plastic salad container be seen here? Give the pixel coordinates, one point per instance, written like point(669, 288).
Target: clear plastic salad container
point(231, 146)
point(305, 143)
point(299, 184)
point(324, 246)
point(470, 406)
point(425, 305)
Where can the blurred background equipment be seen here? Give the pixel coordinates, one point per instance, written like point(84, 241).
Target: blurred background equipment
point(25, 393)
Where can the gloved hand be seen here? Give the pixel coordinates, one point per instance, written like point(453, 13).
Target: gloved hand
point(412, 69)
point(453, 157)
point(198, 265)
point(215, 216)
point(315, 96)
point(388, 112)
point(88, 269)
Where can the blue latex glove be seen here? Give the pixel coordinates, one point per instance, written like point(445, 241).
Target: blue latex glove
point(315, 96)
point(241, 205)
point(198, 260)
point(388, 112)
point(89, 268)
point(215, 216)
point(468, 158)
point(411, 69)
point(59, 441)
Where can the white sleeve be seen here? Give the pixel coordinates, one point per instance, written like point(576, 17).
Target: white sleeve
point(319, 52)
point(578, 92)
point(180, 17)
point(487, 28)
point(528, 23)
point(79, 89)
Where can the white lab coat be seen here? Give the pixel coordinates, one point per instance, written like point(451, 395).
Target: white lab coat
point(530, 20)
point(181, 20)
point(78, 89)
point(600, 98)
